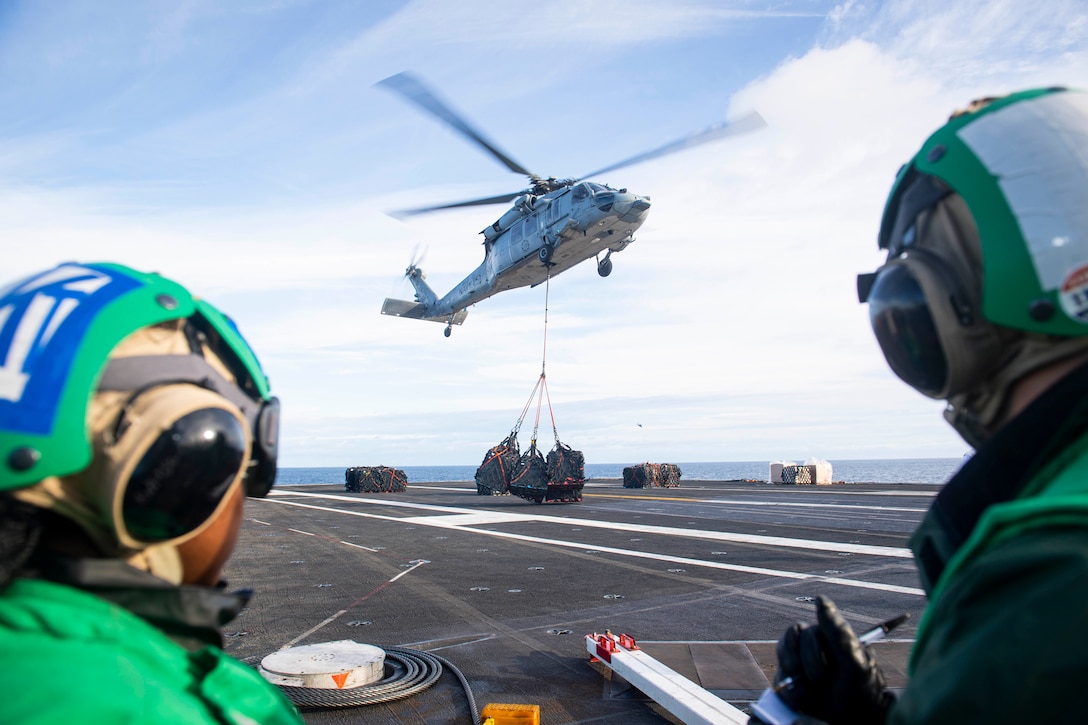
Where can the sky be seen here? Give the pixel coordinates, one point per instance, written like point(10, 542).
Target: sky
point(243, 150)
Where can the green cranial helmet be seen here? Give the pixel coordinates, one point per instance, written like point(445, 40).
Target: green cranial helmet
point(986, 278)
point(1020, 163)
point(57, 330)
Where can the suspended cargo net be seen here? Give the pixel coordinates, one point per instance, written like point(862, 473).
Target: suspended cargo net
point(375, 479)
point(493, 475)
point(530, 479)
point(558, 477)
point(566, 473)
point(652, 475)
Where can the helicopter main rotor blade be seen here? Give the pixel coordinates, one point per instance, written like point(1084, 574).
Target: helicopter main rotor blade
point(412, 89)
point(745, 124)
point(472, 202)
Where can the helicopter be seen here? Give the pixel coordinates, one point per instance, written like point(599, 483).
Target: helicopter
point(553, 225)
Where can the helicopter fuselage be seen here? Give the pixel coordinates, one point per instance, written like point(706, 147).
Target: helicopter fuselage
point(539, 237)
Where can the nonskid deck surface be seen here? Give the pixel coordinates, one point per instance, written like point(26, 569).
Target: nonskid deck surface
point(706, 577)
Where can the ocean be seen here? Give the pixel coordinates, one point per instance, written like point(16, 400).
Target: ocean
point(898, 470)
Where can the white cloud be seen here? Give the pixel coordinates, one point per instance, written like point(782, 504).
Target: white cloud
point(730, 329)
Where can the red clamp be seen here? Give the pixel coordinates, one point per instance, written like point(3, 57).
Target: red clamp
point(607, 643)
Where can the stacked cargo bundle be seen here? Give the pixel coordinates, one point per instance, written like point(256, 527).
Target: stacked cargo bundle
point(813, 471)
point(651, 475)
point(493, 475)
point(375, 479)
point(670, 475)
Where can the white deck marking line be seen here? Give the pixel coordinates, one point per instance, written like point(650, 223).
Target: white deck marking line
point(846, 507)
point(741, 502)
point(694, 486)
point(307, 533)
point(472, 487)
point(417, 645)
point(353, 499)
point(360, 546)
point(343, 611)
point(810, 544)
point(622, 552)
point(473, 519)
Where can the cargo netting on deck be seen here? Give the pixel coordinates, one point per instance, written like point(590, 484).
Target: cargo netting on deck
point(652, 475)
point(375, 479)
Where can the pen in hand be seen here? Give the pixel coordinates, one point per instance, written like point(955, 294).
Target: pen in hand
point(875, 634)
point(880, 631)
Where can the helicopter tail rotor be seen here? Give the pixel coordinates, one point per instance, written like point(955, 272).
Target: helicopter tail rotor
point(419, 253)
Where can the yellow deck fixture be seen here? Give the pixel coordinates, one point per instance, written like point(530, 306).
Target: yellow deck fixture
point(499, 713)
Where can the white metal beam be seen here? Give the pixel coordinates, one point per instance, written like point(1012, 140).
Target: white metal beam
point(685, 700)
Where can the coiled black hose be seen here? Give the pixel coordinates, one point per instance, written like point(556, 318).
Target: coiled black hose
point(407, 672)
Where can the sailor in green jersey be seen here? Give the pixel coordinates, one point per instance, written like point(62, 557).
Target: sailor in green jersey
point(134, 421)
point(983, 303)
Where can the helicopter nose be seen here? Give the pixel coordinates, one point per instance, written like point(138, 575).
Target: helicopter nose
point(631, 207)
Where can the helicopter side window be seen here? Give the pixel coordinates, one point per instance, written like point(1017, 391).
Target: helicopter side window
point(553, 211)
point(516, 232)
point(580, 192)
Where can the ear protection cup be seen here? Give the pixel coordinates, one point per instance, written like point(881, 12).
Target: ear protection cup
point(169, 462)
point(136, 372)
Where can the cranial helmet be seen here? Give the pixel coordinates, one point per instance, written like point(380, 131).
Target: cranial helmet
point(128, 406)
point(986, 278)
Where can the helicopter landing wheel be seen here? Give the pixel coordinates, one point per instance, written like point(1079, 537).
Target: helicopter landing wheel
point(447, 331)
point(604, 267)
point(545, 253)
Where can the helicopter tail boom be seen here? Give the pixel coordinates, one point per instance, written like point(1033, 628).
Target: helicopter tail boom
point(419, 311)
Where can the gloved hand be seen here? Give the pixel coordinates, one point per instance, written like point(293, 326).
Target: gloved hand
point(833, 677)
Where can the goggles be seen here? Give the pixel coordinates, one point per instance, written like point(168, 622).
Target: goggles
point(183, 477)
point(170, 460)
point(919, 307)
point(904, 327)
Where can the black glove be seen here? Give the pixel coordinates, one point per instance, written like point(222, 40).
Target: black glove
point(832, 676)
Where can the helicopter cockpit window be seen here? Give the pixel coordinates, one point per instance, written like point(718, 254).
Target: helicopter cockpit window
point(580, 192)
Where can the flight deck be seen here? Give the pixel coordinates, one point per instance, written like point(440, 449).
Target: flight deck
point(705, 577)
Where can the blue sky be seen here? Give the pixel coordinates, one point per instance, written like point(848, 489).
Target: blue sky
point(242, 149)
